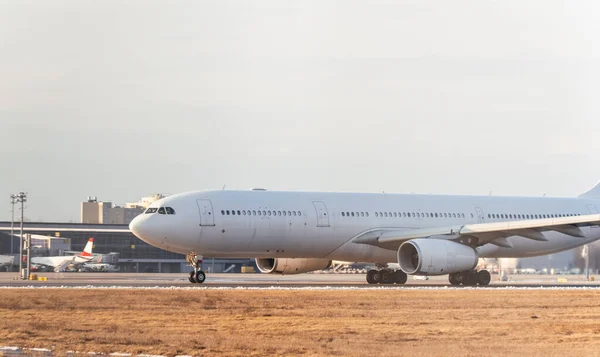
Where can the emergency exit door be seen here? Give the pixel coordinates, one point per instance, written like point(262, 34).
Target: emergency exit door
point(480, 215)
point(206, 213)
point(322, 216)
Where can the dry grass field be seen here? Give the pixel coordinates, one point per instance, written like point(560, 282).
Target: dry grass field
point(485, 322)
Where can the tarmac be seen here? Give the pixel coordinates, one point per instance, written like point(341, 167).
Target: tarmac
point(257, 281)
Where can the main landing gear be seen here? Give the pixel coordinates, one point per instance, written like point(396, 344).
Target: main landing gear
point(386, 276)
point(470, 278)
point(196, 275)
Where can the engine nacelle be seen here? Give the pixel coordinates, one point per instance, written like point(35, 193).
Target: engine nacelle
point(290, 265)
point(426, 256)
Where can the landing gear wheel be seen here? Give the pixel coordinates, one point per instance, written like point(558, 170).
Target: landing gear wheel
point(454, 279)
point(192, 277)
point(401, 277)
point(372, 276)
point(384, 276)
point(469, 278)
point(483, 277)
point(200, 276)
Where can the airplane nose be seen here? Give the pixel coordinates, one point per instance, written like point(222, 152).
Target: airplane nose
point(139, 227)
point(148, 229)
point(134, 226)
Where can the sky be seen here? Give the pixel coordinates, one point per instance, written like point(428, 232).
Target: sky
point(121, 100)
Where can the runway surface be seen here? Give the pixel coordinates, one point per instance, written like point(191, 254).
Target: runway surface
point(261, 281)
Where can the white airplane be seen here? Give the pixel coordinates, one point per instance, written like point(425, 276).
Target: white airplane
point(6, 260)
point(299, 232)
point(59, 263)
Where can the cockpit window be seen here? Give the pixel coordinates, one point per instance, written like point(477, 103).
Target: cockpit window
point(161, 210)
point(169, 210)
point(151, 210)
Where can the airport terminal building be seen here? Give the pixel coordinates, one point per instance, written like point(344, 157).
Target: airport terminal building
point(134, 255)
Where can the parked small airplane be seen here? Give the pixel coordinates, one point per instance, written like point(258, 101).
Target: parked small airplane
point(61, 262)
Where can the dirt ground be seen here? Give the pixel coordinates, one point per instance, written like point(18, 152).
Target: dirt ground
point(484, 322)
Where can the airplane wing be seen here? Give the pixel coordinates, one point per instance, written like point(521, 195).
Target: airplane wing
point(478, 234)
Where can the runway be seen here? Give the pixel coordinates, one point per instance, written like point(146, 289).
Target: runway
point(264, 281)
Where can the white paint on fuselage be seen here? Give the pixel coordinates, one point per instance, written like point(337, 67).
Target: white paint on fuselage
point(299, 236)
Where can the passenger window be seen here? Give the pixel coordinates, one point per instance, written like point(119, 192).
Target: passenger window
point(367, 214)
point(285, 214)
point(264, 213)
point(294, 212)
point(254, 213)
point(228, 212)
point(222, 212)
point(343, 214)
point(169, 210)
point(239, 213)
point(279, 213)
point(362, 214)
point(244, 212)
point(259, 213)
point(269, 213)
point(233, 212)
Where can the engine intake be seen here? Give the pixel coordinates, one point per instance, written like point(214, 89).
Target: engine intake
point(291, 265)
point(425, 256)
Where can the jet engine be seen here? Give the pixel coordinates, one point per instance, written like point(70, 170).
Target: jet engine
point(425, 256)
point(290, 265)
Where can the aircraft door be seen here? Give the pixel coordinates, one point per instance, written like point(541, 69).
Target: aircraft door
point(480, 215)
point(207, 218)
point(593, 210)
point(322, 216)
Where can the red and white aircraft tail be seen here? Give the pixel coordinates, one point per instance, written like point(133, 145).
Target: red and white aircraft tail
point(87, 251)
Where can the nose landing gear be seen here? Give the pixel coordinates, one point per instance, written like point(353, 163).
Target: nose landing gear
point(196, 275)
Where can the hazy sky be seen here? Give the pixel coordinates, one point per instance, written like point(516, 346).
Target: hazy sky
point(120, 100)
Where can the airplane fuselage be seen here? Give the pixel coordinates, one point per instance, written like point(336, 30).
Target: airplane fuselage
point(279, 224)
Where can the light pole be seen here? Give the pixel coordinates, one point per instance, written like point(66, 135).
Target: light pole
point(13, 200)
point(22, 198)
